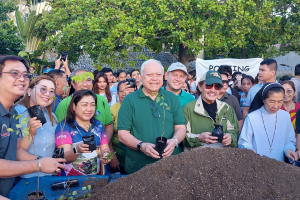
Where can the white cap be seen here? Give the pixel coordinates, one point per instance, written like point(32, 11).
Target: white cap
point(177, 66)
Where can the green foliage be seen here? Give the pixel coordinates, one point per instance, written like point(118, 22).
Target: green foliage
point(9, 42)
point(110, 156)
point(82, 77)
point(108, 29)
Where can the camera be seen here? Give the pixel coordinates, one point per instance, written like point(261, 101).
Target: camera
point(131, 82)
point(64, 55)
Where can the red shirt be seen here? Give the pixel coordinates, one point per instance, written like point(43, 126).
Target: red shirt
point(293, 114)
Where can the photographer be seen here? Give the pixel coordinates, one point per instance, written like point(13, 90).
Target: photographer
point(62, 64)
point(117, 164)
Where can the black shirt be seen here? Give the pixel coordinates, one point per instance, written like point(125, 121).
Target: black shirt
point(7, 140)
point(211, 109)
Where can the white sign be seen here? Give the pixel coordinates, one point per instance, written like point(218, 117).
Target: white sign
point(247, 66)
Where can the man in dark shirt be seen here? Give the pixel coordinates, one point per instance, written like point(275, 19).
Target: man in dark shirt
point(14, 80)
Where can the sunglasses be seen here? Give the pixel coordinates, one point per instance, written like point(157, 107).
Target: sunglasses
point(44, 91)
point(217, 86)
point(18, 75)
point(154, 110)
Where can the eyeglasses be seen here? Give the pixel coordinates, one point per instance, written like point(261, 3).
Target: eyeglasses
point(154, 110)
point(18, 75)
point(217, 86)
point(289, 91)
point(225, 82)
point(44, 91)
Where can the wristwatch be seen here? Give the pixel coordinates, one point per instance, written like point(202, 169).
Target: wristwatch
point(176, 141)
point(38, 157)
point(75, 150)
point(139, 146)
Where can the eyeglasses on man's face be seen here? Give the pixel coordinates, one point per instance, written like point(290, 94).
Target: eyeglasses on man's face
point(216, 85)
point(18, 75)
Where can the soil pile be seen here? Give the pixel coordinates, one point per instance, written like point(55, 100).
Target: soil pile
point(227, 173)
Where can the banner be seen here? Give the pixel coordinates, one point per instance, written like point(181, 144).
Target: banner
point(247, 66)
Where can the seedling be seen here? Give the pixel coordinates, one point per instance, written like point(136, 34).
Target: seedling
point(110, 156)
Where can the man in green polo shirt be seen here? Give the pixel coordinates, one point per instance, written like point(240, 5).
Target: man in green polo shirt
point(142, 119)
point(176, 76)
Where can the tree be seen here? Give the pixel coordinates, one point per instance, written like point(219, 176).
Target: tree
point(108, 29)
point(9, 42)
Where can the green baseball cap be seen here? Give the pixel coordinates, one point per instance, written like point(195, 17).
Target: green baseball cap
point(212, 77)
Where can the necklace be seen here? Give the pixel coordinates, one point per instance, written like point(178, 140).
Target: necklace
point(291, 108)
point(270, 144)
point(80, 132)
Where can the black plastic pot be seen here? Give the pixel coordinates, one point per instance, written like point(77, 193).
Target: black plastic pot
point(297, 163)
point(90, 140)
point(160, 145)
point(59, 153)
point(36, 111)
point(41, 196)
point(218, 132)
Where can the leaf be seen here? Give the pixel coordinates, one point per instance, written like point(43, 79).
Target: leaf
point(70, 198)
point(161, 104)
point(62, 197)
point(18, 125)
point(24, 121)
point(157, 99)
point(89, 187)
point(19, 116)
point(10, 130)
point(74, 193)
point(83, 188)
point(26, 183)
point(89, 195)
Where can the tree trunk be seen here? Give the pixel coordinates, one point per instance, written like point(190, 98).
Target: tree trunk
point(184, 57)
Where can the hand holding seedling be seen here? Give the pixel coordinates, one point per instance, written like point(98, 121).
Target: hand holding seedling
point(83, 148)
point(149, 150)
point(34, 125)
point(171, 144)
point(227, 139)
point(107, 156)
point(206, 137)
point(50, 165)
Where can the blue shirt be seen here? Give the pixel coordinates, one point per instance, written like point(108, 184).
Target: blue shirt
point(44, 140)
point(252, 92)
point(56, 102)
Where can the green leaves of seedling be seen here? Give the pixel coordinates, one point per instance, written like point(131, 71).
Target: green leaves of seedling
point(89, 187)
point(82, 77)
point(83, 188)
point(74, 193)
point(110, 156)
point(10, 130)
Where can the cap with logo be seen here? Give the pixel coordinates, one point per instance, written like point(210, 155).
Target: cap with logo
point(212, 77)
point(47, 70)
point(177, 66)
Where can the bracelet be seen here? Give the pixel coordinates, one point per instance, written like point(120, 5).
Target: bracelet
point(39, 162)
point(105, 151)
point(175, 140)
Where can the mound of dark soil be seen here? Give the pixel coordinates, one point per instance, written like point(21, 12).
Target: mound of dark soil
point(227, 173)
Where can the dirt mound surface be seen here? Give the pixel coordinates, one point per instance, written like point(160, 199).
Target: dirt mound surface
point(227, 173)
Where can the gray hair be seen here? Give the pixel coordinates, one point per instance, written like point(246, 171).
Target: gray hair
point(148, 61)
point(77, 70)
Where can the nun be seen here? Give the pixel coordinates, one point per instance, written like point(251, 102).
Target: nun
point(268, 130)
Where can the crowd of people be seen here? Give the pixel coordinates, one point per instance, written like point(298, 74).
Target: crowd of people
point(126, 111)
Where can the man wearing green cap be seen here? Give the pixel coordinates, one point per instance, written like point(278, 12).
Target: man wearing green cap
point(203, 113)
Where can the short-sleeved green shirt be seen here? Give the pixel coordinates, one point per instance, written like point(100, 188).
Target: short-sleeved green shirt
point(136, 116)
point(184, 97)
point(102, 113)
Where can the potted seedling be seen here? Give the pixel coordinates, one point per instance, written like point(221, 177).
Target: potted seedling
point(161, 142)
point(90, 140)
point(218, 130)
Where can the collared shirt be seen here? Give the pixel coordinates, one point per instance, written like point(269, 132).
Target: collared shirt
point(56, 102)
point(252, 92)
point(183, 97)
point(229, 90)
point(102, 113)
point(86, 163)
point(234, 103)
point(44, 140)
point(136, 116)
point(7, 120)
